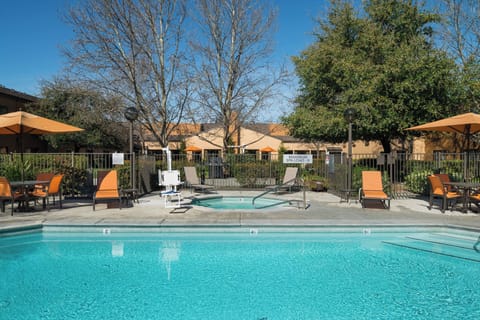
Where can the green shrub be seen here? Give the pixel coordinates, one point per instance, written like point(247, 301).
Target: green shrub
point(417, 181)
point(12, 170)
point(252, 174)
point(75, 181)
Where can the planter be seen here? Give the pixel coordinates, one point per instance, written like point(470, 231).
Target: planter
point(318, 186)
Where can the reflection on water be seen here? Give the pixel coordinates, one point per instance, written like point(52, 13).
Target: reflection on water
point(169, 252)
point(117, 249)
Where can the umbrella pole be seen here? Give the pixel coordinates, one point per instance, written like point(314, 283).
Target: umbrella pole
point(20, 142)
point(467, 155)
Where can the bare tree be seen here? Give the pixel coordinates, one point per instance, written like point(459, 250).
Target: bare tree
point(461, 38)
point(233, 78)
point(133, 48)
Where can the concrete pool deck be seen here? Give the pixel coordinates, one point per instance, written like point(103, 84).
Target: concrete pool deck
point(325, 210)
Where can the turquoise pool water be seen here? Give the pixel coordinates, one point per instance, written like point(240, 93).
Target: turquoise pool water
point(232, 203)
point(247, 274)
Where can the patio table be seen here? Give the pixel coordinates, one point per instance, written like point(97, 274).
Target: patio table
point(465, 188)
point(129, 196)
point(24, 187)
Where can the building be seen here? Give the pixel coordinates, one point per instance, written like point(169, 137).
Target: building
point(204, 141)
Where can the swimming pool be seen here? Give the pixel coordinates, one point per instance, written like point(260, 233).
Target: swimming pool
point(262, 273)
point(233, 203)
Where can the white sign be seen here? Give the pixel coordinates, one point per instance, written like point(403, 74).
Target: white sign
point(117, 158)
point(297, 158)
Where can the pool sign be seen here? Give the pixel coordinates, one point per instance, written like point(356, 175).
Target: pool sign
point(117, 158)
point(297, 158)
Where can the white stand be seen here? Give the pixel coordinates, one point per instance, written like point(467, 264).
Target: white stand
point(168, 195)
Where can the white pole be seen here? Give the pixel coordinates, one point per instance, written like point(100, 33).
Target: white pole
point(169, 158)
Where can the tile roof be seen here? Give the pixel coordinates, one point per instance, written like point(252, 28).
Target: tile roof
point(17, 94)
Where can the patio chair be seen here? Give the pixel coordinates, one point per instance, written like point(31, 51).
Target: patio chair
point(192, 181)
point(7, 194)
point(438, 190)
point(445, 178)
point(289, 181)
point(372, 189)
point(107, 188)
point(474, 198)
point(43, 176)
point(54, 188)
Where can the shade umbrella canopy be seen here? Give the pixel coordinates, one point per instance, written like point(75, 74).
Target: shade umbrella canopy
point(193, 149)
point(267, 149)
point(23, 122)
point(467, 123)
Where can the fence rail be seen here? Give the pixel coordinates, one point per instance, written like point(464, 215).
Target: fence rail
point(404, 173)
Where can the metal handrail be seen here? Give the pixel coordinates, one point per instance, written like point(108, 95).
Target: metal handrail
point(274, 188)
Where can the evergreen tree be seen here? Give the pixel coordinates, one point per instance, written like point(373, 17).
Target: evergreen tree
point(382, 64)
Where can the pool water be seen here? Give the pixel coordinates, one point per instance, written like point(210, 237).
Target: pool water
point(247, 274)
point(232, 203)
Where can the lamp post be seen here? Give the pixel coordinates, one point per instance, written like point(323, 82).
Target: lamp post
point(131, 114)
point(349, 115)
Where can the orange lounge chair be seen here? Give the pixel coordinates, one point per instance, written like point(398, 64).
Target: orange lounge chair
point(438, 190)
point(54, 188)
point(372, 188)
point(7, 194)
point(107, 188)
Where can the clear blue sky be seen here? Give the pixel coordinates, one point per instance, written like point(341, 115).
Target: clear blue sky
point(33, 32)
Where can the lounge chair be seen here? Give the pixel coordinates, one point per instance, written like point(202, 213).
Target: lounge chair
point(288, 182)
point(107, 188)
point(372, 189)
point(439, 190)
point(192, 181)
point(7, 194)
point(54, 188)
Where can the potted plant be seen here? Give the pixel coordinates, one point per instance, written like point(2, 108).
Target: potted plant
point(316, 183)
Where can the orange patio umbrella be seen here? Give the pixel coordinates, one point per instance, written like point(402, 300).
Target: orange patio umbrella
point(466, 124)
point(21, 122)
point(193, 149)
point(267, 149)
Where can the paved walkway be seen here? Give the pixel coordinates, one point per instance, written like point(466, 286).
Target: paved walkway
point(325, 210)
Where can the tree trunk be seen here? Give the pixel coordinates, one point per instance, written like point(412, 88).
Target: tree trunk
point(386, 145)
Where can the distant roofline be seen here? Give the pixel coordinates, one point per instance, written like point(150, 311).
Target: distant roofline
point(17, 94)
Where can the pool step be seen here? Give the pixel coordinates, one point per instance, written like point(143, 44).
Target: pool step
point(448, 240)
point(462, 248)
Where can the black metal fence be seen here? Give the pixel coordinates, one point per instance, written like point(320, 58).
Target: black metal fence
point(81, 169)
point(404, 173)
